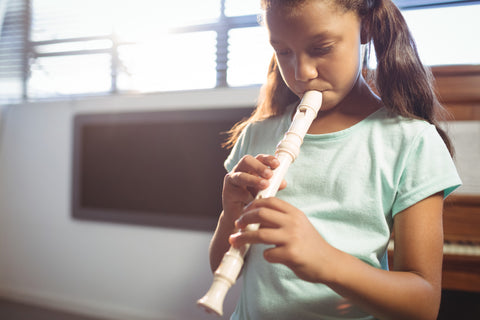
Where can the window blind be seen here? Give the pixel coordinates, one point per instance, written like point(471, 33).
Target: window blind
point(14, 22)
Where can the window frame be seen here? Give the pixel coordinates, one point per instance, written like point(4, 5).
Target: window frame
point(221, 27)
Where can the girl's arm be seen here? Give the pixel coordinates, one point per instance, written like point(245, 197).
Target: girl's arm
point(410, 291)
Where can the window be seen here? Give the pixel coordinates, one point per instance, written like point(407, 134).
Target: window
point(446, 35)
point(12, 49)
point(60, 48)
point(249, 55)
point(101, 46)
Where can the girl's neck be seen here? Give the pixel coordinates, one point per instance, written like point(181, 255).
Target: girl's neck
point(359, 104)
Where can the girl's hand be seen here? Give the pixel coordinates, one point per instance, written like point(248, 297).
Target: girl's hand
point(242, 184)
point(298, 245)
point(240, 187)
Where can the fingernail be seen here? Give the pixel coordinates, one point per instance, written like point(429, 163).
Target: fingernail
point(233, 237)
point(237, 222)
point(264, 183)
point(267, 173)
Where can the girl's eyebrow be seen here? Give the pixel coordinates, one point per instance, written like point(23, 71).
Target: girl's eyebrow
point(317, 37)
point(322, 36)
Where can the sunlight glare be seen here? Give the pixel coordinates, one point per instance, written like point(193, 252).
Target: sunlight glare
point(454, 40)
point(173, 62)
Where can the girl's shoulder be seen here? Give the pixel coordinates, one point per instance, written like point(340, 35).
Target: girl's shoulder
point(270, 126)
point(394, 124)
point(258, 137)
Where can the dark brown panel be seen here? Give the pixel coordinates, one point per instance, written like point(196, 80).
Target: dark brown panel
point(155, 168)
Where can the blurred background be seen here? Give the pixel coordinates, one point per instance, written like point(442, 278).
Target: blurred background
point(68, 67)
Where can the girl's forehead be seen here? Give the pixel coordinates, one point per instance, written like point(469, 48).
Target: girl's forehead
point(315, 20)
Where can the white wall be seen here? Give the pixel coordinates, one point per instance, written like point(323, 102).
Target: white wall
point(103, 269)
point(466, 140)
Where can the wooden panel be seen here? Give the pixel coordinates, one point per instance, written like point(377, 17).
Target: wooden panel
point(462, 112)
point(458, 88)
point(461, 218)
point(476, 113)
point(461, 273)
point(461, 222)
point(457, 83)
point(137, 167)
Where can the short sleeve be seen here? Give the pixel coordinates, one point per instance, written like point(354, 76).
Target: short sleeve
point(238, 150)
point(428, 169)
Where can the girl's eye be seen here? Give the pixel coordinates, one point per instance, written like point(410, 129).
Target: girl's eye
point(282, 52)
point(318, 51)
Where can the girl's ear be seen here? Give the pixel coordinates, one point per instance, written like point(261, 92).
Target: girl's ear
point(365, 35)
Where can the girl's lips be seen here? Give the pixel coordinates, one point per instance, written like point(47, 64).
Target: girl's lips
point(303, 92)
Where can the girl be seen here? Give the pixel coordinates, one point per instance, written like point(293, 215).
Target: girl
point(369, 166)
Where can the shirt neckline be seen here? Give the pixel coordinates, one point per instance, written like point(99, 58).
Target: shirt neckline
point(341, 133)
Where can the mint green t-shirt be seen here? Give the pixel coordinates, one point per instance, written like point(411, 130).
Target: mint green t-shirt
point(350, 184)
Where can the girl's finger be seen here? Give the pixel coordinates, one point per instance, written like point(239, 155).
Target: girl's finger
point(246, 180)
point(254, 166)
point(268, 160)
point(271, 203)
point(266, 217)
point(263, 235)
point(278, 254)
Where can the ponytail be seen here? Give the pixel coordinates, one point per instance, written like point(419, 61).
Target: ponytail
point(403, 83)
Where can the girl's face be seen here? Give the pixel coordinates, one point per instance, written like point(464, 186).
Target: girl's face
point(317, 46)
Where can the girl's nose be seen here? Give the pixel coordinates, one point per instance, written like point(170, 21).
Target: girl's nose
point(305, 69)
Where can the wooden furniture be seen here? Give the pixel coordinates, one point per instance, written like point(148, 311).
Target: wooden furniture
point(458, 88)
point(461, 249)
point(461, 259)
